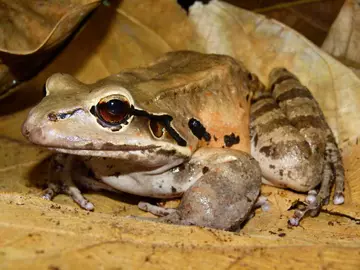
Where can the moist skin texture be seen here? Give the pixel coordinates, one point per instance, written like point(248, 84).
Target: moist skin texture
point(180, 128)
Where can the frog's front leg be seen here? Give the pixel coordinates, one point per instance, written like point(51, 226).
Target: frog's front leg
point(66, 175)
point(293, 143)
point(224, 194)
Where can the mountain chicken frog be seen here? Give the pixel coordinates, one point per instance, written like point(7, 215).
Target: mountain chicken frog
point(190, 125)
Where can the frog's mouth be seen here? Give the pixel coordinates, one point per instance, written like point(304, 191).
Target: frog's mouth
point(105, 150)
point(123, 152)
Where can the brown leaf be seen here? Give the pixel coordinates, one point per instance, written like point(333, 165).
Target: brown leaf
point(30, 31)
point(312, 18)
point(343, 40)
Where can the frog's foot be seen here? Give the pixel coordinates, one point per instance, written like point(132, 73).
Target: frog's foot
point(314, 201)
point(155, 210)
point(72, 191)
point(262, 202)
point(61, 174)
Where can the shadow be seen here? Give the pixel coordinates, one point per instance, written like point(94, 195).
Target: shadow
point(38, 178)
point(85, 39)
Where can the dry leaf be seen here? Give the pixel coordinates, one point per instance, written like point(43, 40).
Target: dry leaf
point(37, 234)
point(30, 31)
point(312, 18)
point(343, 40)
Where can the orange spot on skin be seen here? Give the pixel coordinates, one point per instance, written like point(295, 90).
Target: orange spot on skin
point(191, 148)
point(208, 94)
point(138, 134)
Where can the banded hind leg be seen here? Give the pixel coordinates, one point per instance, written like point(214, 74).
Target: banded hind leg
point(294, 144)
point(305, 114)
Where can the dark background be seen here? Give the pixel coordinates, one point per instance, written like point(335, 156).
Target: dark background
point(312, 18)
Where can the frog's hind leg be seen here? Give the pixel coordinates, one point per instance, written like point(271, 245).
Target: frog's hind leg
point(333, 156)
point(304, 113)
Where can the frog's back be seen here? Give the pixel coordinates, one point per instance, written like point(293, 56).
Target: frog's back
point(188, 85)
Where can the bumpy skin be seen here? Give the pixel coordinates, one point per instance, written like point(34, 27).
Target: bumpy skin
point(224, 195)
point(186, 135)
point(293, 143)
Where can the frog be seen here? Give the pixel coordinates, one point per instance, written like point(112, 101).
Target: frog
point(188, 125)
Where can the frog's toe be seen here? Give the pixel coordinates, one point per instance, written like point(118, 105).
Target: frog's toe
point(262, 202)
point(311, 197)
point(155, 210)
point(51, 192)
point(77, 196)
point(339, 198)
point(311, 207)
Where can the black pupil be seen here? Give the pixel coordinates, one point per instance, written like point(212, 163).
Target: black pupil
point(117, 107)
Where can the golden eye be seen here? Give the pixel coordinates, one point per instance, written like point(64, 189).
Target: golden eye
point(157, 128)
point(113, 110)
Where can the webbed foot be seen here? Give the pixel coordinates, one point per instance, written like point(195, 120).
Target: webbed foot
point(315, 201)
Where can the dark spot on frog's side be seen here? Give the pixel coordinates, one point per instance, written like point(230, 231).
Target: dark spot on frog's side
point(271, 166)
point(205, 170)
point(281, 172)
point(231, 139)
point(199, 130)
point(173, 189)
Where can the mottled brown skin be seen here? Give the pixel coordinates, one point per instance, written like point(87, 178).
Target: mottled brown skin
point(217, 178)
point(293, 143)
point(200, 151)
point(218, 199)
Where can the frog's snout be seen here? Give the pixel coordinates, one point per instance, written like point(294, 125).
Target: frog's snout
point(32, 132)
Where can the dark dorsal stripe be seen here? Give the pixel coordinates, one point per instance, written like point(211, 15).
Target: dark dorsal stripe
point(165, 120)
point(294, 93)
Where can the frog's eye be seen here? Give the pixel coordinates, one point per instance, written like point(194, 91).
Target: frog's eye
point(113, 110)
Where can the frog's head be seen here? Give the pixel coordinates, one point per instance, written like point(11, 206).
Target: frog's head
point(102, 119)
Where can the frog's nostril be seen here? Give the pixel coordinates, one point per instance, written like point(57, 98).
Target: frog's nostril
point(36, 135)
point(33, 134)
point(24, 130)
